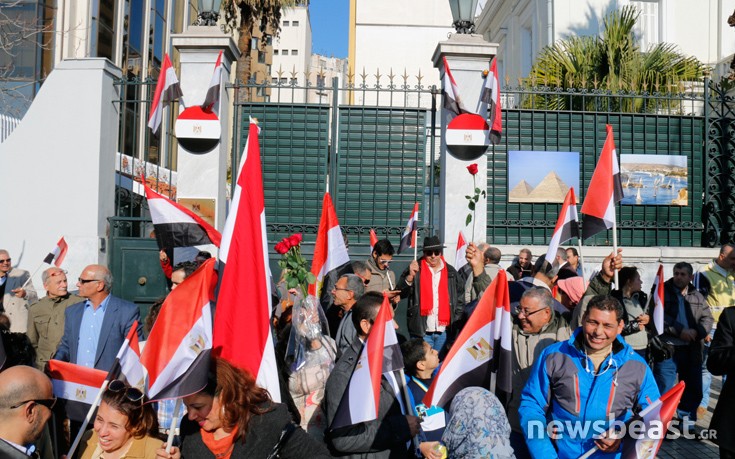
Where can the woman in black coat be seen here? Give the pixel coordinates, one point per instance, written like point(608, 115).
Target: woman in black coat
point(721, 361)
point(234, 418)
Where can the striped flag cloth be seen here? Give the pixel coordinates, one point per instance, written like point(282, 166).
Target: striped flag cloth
point(167, 91)
point(177, 226)
point(76, 386)
point(242, 329)
point(57, 255)
point(408, 238)
point(127, 364)
point(211, 100)
point(605, 190)
point(452, 100)
point(330, 251)
point(460, 259)
point(567, 225)
point(490, 94)
point(483, 347)
point(658, 300)
point(176, 354)
point(373, 239)
point(380, 354)
point(656, 418)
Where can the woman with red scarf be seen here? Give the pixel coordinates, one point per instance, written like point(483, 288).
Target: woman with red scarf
point(435, 293)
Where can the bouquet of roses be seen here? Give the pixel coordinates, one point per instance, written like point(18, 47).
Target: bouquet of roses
point(293, 264)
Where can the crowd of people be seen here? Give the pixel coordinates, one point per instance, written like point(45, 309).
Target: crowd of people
point(582, 352)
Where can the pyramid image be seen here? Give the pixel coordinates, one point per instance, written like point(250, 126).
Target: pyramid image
point(551, 189)
point(520, 192)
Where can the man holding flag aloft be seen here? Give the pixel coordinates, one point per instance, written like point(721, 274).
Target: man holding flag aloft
point(435, 295)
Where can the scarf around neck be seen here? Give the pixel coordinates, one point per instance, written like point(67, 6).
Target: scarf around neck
point(427, 292)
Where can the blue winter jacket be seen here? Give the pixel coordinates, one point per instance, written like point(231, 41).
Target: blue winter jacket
point(563, 388)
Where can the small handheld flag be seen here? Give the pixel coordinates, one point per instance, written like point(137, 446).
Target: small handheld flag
point(460, 259)
point(167, 91)
point(408, 238)
point(57, 255)
point(658, 300)
point(373, 239)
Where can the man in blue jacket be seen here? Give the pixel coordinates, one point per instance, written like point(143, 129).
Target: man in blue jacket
point(584, 384)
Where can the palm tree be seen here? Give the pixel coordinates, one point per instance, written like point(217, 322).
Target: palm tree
point(612, 62)
point(246, 14)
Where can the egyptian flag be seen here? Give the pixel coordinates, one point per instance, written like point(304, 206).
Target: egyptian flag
point(604, 192)
point(408, 238)
point(177, 226)
point(75, 386)
point(490, 94)
point(167, 91)
point(127, 364)
point(57, 255)
point(330, 251)
point(467, 136)
point(483, 347)
point(656, 419)
point(373, 239)
point(211, 100)
point(658, 300)
point(242, 329)
point(452, 100)
point(460, 259)
point(567, 225)
point(380, 354)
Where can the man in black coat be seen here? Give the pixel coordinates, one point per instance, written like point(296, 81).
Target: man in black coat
point(721, 361)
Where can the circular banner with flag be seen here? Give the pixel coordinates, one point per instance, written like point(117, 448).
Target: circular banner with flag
point(467, 136)
point(198, 130)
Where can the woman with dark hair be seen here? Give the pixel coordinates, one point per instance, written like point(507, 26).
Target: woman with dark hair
point(634, 303)
point(233, 418)
point(125, 426)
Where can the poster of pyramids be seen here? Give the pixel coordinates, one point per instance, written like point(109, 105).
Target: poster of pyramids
point(542, 176)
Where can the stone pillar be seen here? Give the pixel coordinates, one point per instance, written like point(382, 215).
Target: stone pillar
point(467, 57)
point(204, 176)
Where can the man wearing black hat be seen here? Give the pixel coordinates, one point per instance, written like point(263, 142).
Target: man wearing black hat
point(435, 295)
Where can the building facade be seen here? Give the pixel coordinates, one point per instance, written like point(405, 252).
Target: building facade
point(292, 54)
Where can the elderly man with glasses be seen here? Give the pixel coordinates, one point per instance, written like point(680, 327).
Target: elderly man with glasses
point(26, 400)
point(15, 295)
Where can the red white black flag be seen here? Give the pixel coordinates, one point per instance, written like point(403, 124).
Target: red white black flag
point(658, 300)
point(177, 226)
point(483, 347)
point(460, 258)
point(491, 96)
point(57, 255)
point(604, 192)
point(656, 418)
point(330, 251)
point(211, 100)
point(380, 354)
point(567, 225)
point(408, 238)
point(373, 239)
point(452, 100)
point(167, 91)
point(127, 364)
point(76, 386)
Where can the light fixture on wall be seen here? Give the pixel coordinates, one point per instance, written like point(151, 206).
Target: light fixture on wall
point(208, 12)
point(463, 14)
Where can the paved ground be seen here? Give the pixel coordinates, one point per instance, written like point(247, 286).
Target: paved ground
point(695, 449)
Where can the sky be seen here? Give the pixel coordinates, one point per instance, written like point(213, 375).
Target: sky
point(533, 166)
point(330, 27)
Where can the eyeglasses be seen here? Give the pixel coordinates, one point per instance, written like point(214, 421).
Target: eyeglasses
point(7, 260)
point(47, 402)
point(434, 253)
point(343, 289)
point(384, 262)
point(86, 281)
point(527, 313)
point(131, 393)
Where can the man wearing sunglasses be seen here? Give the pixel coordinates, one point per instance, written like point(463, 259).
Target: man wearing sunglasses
point(382, 278)
point(26, 400)
point(15, 297)
point(435, 296)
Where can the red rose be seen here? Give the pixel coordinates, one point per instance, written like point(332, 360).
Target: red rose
point(295, 239)
point(281, 248)
point(472, 168)
point(286, 243)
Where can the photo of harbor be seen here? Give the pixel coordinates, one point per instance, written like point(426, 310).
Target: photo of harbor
point(659, 180)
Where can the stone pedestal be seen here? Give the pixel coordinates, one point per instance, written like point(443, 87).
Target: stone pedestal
point(204, 176)
point(467, 57)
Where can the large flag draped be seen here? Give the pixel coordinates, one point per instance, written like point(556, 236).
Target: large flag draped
point(408, 238)
point(242, 330)
point(177, 226)
point(460, 258)
point(56, 256)
point(656, 419)
point(658, 300)
point(176, 354)
point(76, 385)
point(380, 354)
point(567, 225)
point(167, 91)
point(483, 346)
point(605, 190)
point(490, 94)
point(127, 364)
point(452, 100)
point(211, 100)
point(330, 251)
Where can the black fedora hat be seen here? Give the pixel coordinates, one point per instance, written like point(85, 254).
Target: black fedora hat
point(432, 243)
